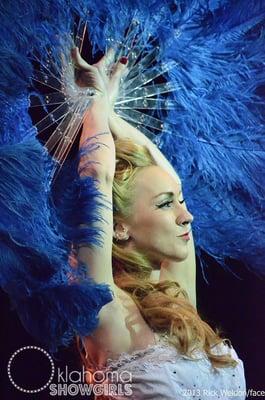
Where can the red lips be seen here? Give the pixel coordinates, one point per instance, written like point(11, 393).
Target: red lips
point(184, 234)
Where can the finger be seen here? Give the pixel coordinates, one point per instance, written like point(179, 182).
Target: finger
point(109, 56)
point(106, 59)
point(79, 62)
point(120, 68)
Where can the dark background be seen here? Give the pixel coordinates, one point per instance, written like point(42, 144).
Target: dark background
point(236, 305)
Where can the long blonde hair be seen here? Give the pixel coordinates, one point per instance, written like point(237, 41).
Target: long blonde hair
point(164, 305)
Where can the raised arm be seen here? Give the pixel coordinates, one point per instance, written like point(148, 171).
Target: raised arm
point(184, 272)
point(98, 163)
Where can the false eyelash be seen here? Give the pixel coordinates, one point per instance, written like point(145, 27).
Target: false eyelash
point(169, 202)
point(165, 203)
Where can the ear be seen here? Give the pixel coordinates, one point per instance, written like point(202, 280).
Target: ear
point(121, 231)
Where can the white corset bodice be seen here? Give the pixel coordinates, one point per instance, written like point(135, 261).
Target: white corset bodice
point(159, 372)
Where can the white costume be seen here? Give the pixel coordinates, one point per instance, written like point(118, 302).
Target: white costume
point(159, 372)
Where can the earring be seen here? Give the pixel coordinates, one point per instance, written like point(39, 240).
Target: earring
point(121, 235)
point(117, 236)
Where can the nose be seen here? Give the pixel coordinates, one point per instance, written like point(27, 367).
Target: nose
point(184, 218)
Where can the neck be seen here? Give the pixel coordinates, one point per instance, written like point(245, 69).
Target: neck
point(182, 273)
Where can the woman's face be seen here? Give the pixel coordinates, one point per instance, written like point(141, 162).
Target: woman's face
point(159, 216)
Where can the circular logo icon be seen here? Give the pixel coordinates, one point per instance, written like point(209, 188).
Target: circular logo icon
point(11, 360)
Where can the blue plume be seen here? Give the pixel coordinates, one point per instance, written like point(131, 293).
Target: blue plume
point(217, 144)
point(54, 300)
point(15, 122)
point(77, 202)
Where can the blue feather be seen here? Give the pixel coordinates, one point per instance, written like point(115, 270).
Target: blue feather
point(54, 300)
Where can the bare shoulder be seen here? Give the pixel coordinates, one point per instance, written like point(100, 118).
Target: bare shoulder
point(122, 329)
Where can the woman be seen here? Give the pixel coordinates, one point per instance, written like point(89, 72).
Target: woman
point(151, 329)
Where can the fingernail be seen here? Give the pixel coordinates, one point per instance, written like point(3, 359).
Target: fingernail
point(123, 60)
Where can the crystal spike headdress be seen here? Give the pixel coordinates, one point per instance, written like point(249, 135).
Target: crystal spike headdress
point(195, 86)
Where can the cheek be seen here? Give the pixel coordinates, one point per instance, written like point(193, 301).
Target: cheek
point(161, 221)
point(153, 228)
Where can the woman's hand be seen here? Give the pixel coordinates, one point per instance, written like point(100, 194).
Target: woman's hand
point(95, 76)
point(86, 75)
point(117, 72)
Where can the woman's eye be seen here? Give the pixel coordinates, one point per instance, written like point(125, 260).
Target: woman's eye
point(166, 204)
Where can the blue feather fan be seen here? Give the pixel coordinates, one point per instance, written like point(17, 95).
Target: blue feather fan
point(54, 300)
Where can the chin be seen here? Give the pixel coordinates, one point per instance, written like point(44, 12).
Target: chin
point(180, 256)
point(157, 257)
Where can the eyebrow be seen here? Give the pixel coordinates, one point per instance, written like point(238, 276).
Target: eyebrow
point(169, 194)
